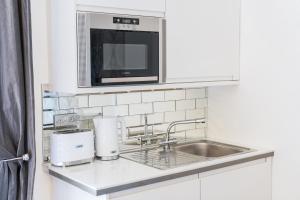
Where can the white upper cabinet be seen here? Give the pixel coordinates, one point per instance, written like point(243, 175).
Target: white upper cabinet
point(202, 40)
point(155, 6)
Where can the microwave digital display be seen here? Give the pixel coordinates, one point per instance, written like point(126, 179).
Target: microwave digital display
point(123, 20)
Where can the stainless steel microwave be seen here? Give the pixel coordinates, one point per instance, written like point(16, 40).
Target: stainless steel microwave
point(119, 49)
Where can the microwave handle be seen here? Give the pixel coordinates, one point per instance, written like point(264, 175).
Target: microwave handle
point(163, 47)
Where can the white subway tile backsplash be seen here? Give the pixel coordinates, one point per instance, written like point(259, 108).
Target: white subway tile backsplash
point(89, 111)
point(179, 135)
point(68, 102)
point(201, 125)
point(82, 101)
point(102, 100)
point(61, 112)
point(174, 95)
point(133, 120)
point(48, 117)
point(50, 104)
point(136, 131)
point(174, 116)
point(160, 127)
point(193, 114)
point(185, 104)
point(153, 96)
point(129, 98)
point(195, 93)
point(155, 118)
point(201, 103)
point(195, 134)
point(164, 106)
point(144, 108)
point(121, 110)
point(184, 127)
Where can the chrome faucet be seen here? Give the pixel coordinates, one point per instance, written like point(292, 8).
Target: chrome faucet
point(146, 133)
point(168, 139)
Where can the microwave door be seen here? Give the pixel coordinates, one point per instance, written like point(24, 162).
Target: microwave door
point(122, 57)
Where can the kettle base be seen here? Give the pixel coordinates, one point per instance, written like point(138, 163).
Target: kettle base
point(107, 158)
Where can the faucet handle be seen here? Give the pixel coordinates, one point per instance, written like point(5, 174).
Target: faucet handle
point(170, 141)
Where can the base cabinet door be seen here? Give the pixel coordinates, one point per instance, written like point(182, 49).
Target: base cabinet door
point(247, 183)
point(173, 190)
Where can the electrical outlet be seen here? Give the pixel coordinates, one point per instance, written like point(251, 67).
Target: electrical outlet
point(66, 120)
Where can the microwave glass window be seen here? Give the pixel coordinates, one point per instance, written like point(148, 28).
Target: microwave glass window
point(125, 56)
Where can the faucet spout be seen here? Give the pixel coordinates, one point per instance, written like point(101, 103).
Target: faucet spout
point(168, 140)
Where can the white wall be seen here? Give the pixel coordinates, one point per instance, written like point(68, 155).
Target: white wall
point(39, 15)
point(264, 109)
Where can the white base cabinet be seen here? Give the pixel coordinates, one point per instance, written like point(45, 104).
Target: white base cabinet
point(187, 188)
point(247, 181)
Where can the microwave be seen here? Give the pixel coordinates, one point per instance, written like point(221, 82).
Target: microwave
point(119, 49)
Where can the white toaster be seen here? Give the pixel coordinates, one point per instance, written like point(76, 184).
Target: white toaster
point(72, 147)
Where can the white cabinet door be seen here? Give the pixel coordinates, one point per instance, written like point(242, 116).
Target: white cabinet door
point(177, 189)
point(147, 5)
point(202, 40)
point(247, 183)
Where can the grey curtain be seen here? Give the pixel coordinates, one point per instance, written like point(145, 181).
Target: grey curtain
point(16, 101)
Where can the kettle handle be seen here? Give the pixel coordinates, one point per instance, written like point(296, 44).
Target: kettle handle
point(122, 128)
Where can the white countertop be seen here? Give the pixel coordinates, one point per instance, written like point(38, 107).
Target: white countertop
point(103, 175)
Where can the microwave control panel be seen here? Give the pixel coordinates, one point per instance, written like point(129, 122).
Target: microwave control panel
point(123, 20)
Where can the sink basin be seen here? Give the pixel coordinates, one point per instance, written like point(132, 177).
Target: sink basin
point(183, 154)
point(161, 159)
point(210, 149)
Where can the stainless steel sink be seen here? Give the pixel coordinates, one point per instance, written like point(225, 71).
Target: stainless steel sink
point(162, 159)
point(210, 149)
point(183, 154)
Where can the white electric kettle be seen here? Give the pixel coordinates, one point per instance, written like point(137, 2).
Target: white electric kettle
point(108, 130)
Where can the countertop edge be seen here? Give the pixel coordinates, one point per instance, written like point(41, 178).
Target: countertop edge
point(74, 183)
point(119, 188)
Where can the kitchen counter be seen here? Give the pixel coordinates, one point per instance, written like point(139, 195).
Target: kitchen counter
point(105, 177)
